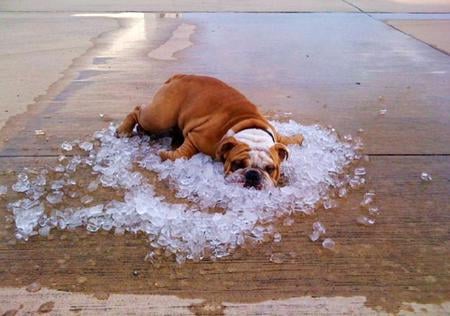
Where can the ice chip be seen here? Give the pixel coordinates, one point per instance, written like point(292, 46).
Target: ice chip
point(86, 146)
point(277, 237)
point(59, 168)
point(92, 186)
point(57, 185)
point(314, 236)
point(374, 210)
point(33, 287)
point(22, 184)
point(382, 112)
point(277, 258)
point(86, 199)
point(3, 190)
point(55, 197)
point(328, 243)
point(367, 199)
point(66, 146)
point(342, 192)
point(40, 180)
point(318, 226)
point(61, 158)
point(288, 221)
point(364, 220)
point(39, 132)
point(425, 177)
point(361, 171)
point(329, 203)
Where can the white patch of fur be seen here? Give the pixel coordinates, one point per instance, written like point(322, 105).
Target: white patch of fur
point(259, 142)
point(255, 138)
point(260, 158)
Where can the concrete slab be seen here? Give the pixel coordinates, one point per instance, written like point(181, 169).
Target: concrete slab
point(179, 6)
point(433, 32)
point(36, 49)
point(323, 68)
point(401, 5)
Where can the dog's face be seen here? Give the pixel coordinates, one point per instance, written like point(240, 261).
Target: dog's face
point(252, 159)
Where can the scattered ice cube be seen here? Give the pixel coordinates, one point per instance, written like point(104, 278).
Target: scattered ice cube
point(3, 189)
point(342, 192)
point(33, 287)
point(73, 194)
point(356, 182)
point(277, 237)
point(39, 132)
point(382, 111)
point(318, 226)
point(425, 177)
point(328, 243)
point(288, 221)
point(374, 210)
point(22, 184)
point(55, 197)
point(40, 180)
point(360, 171)
point(86, 199)
point(277, 258)
point(59, 168)
point(57, 185)
point(329, 203)
point(86, 146)
point(364, 220)
point(44, 231)
point(314, 236)
point(61, 158)
point(92, 186)
point(66, 146)
point(318, 230)
point(368, 198)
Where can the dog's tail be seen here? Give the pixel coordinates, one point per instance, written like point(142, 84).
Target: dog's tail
point(177, 76)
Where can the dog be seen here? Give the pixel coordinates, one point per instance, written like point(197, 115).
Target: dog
point(217, 120)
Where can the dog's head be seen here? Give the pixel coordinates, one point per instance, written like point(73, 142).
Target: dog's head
point(252, 158)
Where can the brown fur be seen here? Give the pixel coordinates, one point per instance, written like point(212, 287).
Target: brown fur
point(203, 109)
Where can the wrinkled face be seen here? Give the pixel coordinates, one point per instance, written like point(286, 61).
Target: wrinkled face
point(252, 159)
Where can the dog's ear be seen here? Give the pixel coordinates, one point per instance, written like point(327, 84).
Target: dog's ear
point(224, 148)
point(282, 151)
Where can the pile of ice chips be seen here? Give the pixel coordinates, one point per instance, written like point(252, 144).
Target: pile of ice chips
point(211, 217)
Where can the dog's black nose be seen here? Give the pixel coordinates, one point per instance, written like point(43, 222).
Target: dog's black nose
point(252, 178)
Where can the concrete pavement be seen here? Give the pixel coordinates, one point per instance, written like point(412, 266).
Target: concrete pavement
point(338, 69)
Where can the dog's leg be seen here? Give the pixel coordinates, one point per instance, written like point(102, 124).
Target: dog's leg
point(186, 150)
point(126, 127)
point(290, 140)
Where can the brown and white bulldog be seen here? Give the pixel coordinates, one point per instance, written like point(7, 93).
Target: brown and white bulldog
point(219, 121)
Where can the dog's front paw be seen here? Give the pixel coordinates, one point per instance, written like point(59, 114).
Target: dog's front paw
point(297, 139)
point(123, 133)
point(165, 155)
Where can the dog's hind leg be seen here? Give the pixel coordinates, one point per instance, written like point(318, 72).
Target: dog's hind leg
point(290, 140)
point(126, 127)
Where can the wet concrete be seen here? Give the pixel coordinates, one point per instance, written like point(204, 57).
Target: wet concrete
point(287, 70)
point(35, 50)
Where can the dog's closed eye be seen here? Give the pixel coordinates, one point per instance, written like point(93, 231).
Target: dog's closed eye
point(237, 164)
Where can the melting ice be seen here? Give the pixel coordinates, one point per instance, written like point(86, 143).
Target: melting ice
point(186, 229)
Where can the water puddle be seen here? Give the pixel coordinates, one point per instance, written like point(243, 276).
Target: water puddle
point(179, 40)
